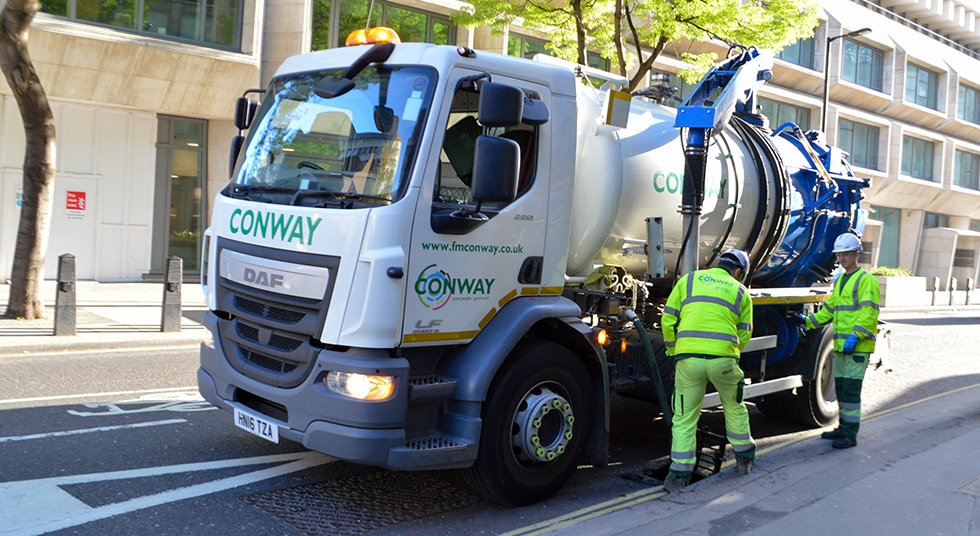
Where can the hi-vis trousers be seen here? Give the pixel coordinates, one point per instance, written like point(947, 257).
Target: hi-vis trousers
point(848, 378)
point(690, 379)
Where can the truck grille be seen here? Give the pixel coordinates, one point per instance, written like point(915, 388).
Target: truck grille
point(268, 311)
point(266, 362)
point(267, 335)
point(276, 341)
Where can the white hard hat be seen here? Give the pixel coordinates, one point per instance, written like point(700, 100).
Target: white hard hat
point(737, 257)
point(847, 242)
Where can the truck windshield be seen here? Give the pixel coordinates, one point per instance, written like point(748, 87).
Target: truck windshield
point(351, 151)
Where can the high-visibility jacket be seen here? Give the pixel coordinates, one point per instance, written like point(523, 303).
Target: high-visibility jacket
point(853, 307)
point(708, 313)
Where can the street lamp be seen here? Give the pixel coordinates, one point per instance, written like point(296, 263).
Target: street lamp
point(826, 73)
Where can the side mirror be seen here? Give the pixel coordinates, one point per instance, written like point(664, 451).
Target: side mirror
point(500, 105)
point(496, 165)
point(496, 162)
point(236, 147)
point(244, 112)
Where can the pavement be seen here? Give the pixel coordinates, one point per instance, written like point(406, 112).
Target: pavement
point(915, 470)
point(109, 315)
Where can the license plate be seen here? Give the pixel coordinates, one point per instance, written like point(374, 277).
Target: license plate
point(256, 425)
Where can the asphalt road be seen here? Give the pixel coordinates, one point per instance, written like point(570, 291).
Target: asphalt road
point(120, 443)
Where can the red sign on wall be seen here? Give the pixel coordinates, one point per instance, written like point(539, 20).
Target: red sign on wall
point(76, 201)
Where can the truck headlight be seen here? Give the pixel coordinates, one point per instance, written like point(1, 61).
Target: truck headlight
point(360, 386)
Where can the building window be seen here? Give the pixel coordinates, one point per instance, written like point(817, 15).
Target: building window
point(917, 157)
point(780, 112)
point(975, 225)
point(213, 23)
point(596, 61)
point(935, 220)
point(921, 86)
point(800, 53)
point(966, 172)
point(863, 65)
point(412, 26)
point(964, 258)
point(525, 47)
point(861, 142)
point(968, 104)
point(891, 220)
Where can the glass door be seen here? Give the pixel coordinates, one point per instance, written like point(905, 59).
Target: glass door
point(180, 191)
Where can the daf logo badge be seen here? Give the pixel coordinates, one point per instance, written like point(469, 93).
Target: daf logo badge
point(266, 279)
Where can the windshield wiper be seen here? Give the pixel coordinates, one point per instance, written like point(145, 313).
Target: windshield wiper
point(344, 196)
point(297, 196)
point(242, 192)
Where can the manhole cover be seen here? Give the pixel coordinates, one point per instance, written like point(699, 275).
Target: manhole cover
point(362, 503)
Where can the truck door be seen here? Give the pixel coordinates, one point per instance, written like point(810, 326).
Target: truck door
point(457, 282)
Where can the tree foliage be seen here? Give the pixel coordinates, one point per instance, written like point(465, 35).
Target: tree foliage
point(609, 27)
point(39, 160)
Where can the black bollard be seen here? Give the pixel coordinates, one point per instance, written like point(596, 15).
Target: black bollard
point(65, 302)
point(171, 295)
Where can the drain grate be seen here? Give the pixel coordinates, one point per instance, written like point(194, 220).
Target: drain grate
point(362, 503)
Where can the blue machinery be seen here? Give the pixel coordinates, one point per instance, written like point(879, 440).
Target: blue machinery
point(818, 195)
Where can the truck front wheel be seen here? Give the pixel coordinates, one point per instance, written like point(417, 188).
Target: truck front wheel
point(534, 425)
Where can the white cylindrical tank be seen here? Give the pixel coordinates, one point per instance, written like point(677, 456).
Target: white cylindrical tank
point(625, 175)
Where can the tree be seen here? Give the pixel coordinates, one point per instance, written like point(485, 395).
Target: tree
point(613, 26)
point(572, 27)
point(39, 160)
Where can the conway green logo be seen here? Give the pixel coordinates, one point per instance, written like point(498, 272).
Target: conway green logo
point(273, 225)
point(672, 183)
point(436, 287)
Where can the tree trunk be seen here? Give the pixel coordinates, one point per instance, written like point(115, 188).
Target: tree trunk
point(618, 38)
point(39, 160)
point(579, 31)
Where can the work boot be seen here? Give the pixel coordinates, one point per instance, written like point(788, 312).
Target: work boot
point(833, 434)
point(844, 442)
point(673, 483)
point(743, 465)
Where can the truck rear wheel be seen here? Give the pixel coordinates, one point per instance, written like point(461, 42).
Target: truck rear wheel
point(534, 426)
point(814, 404)
point(817, 399)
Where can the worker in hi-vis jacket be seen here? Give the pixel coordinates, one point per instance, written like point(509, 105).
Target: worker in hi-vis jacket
point(706, 323)
point(853, 307)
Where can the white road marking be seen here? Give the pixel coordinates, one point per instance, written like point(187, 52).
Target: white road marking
point(31, 507)
point(95, 395)
point(89, 431)
point(112, 409)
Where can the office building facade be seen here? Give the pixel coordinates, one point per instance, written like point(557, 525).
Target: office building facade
point(143, 93)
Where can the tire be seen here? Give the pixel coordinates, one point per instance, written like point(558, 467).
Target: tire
point(816, 401)
point(814, 404)
point(533, 395)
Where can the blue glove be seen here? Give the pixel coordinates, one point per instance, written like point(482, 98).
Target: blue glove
point(850, 343)
point(800, 319)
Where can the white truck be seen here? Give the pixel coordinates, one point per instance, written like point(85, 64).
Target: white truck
point(430, 257)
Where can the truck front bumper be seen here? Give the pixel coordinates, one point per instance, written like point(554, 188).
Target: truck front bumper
point(353, 430)
point(357, 445)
